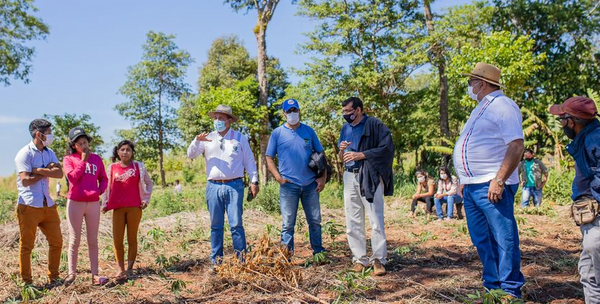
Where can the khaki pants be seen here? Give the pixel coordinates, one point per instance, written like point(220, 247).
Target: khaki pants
point(46, 218)
point(126, 219)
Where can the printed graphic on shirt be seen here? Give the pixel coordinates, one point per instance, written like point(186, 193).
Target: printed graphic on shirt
point(91, 169)
point(125, 176)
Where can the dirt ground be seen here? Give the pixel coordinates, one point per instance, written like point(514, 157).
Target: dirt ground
point(429, 262)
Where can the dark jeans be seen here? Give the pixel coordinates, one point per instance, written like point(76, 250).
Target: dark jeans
point(428, 200)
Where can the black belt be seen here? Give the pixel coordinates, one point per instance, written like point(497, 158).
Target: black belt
point(353, 170)
point(224, 181)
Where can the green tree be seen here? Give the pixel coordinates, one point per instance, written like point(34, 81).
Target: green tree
point(265, 10)
point(17, 27)
point(152, 86)
point(229, 77)
point(62, 124)
point(362, 48)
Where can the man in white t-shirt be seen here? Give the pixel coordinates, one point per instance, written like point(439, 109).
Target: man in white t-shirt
point(58, 187)
point(486, 156)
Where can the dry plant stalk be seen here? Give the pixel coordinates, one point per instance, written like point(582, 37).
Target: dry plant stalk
point(266, 259)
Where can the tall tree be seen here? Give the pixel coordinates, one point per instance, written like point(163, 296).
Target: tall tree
point(152, 86)
point(265, 10)
point(436, 57)
point(364, 49)
point(18, 26)
point(229, 77)
point(62, 124)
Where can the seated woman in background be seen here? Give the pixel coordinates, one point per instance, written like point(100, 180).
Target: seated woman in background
point(447, 193)
point(424, 193)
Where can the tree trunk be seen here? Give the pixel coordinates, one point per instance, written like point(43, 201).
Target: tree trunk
point(260, 33)
point(438, 60)
point(160, 141)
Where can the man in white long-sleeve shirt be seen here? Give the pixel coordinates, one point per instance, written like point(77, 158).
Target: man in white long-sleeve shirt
point(227, 153)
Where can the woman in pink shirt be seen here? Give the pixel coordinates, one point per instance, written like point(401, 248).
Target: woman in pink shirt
point(129, 190)
point(87, 181)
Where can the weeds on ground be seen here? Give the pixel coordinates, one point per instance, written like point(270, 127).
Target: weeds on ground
point(494, 296)
point(177, 286)
point(544, 210)
point(333, 230)
point(351, 285)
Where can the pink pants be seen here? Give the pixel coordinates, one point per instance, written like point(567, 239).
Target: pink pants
point(76, 212)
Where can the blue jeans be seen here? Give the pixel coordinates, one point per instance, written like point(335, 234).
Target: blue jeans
point(450, 199)
point(494, 233)
point(527, 193)
point(222, 197)
point(289, 195)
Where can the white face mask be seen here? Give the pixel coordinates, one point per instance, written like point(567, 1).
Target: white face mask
point(49, 140)
point(421, 179)
point(292, 118)
point(443, 176)
point(471, 94)
point(220, 125)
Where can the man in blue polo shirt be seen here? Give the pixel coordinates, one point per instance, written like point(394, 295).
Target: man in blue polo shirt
point(293, 143)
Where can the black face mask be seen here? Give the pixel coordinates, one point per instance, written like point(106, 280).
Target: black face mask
point(569, 132)
point(529, 158)
point(350, 117)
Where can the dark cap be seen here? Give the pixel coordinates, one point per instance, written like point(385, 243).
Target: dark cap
point(578, 106)
point(76, 133)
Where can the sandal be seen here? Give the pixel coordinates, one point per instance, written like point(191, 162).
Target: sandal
point(121, 276)
point(99, 280)
point(70, 279)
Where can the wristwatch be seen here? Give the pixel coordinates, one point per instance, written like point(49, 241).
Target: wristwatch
point(499, 181)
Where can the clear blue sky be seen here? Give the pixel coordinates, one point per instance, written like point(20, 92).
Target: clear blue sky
point(81, 65)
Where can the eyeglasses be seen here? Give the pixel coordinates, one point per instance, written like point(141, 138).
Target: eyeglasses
point(472, 81)
point(349, 112)
point(564, 117)
point(292, 110)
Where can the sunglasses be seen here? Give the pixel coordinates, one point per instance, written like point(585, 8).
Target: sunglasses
point(564, 117)
point(292, 110)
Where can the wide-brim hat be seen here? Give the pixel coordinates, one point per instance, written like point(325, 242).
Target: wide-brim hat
point(487, 73)
point(223, 109)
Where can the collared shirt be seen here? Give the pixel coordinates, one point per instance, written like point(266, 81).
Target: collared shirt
point(226, 156)
point(483, 142)
point(293, 150)
point(353, 133)
point(28, 158)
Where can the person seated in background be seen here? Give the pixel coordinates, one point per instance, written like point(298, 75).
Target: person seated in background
point(447, 193)
point(424, 193)
point(177, 189)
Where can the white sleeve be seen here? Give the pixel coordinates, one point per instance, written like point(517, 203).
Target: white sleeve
point(249, 162)
point(195, 149)
point(509, 121)
point(23, 162)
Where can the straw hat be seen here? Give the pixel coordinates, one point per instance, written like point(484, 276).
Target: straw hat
point(223, 109)
point(487, 73)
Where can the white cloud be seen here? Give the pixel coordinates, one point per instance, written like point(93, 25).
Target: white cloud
point(12, 120)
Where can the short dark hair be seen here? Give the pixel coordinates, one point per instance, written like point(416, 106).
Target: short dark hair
point(356, 103)
point(528, 151)
point(177, 181)
point(39, 125)
point(115, 155)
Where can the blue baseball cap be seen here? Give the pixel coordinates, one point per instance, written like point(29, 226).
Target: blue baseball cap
point(290, 103)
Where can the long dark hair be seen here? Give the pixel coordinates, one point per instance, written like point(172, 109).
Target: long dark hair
point(445, 169)
point(115, 155)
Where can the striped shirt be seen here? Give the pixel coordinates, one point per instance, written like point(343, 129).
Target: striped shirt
point(483, 142)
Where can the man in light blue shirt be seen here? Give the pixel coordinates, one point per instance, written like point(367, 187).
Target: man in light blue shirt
point(293, 143)
point(35, 164)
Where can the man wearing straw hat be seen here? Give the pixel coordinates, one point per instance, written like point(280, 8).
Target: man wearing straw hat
point(486, 156)
point(227, 153)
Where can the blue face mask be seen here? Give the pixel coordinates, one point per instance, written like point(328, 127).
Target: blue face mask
point(219, 125)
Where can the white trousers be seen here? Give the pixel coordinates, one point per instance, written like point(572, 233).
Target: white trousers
point(356, 206)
